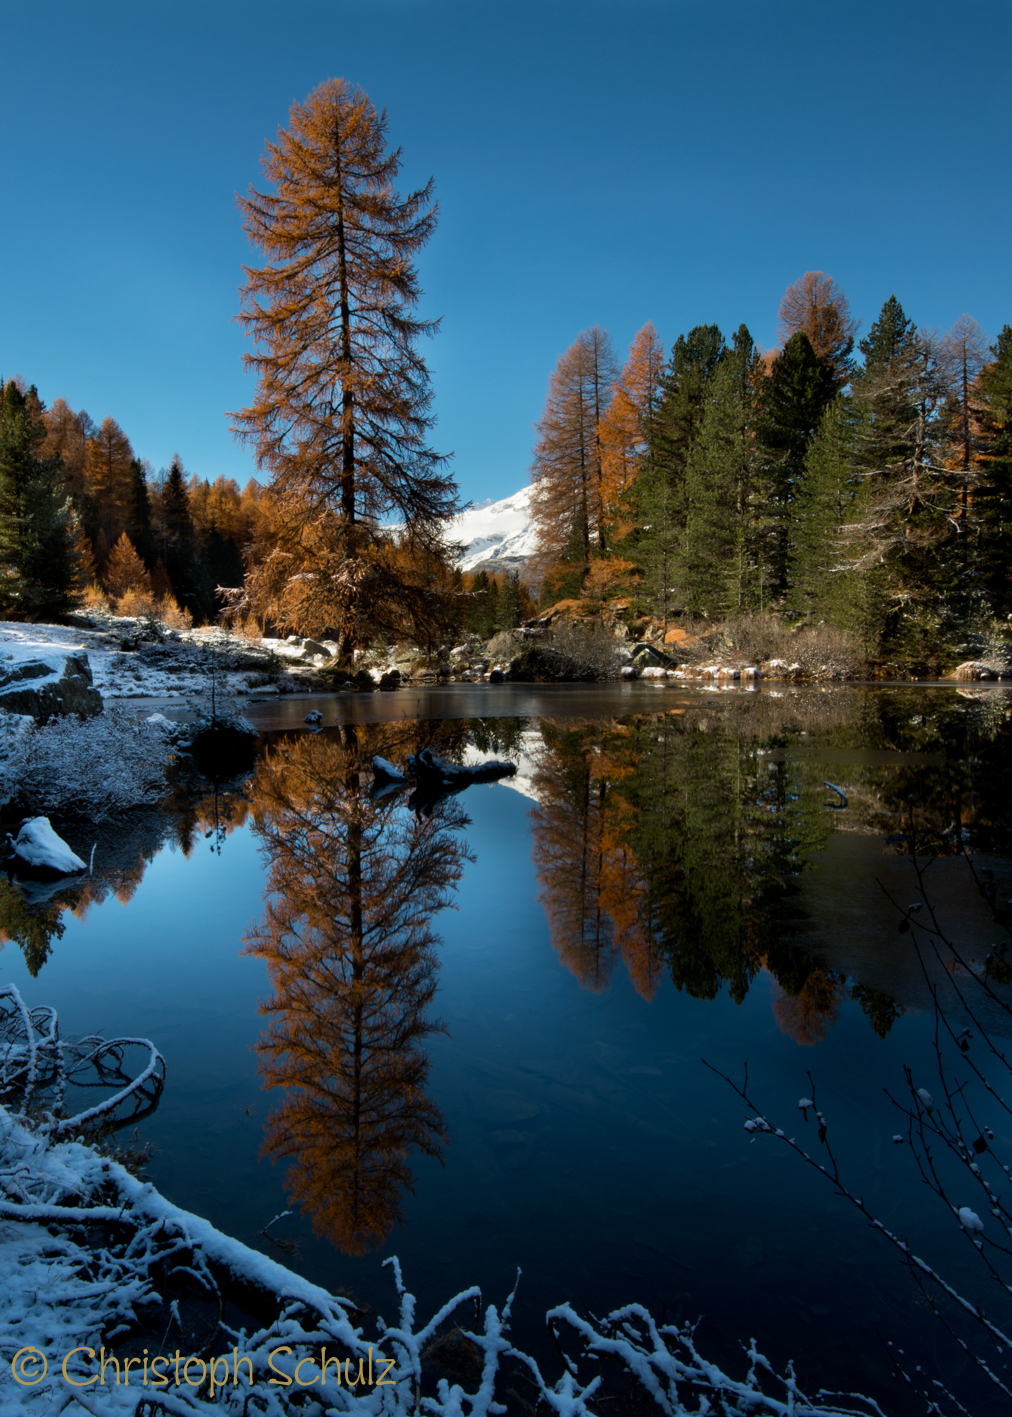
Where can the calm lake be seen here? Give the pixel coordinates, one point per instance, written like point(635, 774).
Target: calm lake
point(485, 1018)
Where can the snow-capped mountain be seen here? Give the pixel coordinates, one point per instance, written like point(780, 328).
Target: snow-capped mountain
point(496, 536)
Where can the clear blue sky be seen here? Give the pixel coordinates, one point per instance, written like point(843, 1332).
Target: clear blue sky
point(608, 163)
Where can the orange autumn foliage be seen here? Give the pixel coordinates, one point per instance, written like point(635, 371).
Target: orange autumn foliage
point(353, 885)
point(808, 1016)
point(625, 423)
point(340, 415)
point(591, 888)
point(818, 307)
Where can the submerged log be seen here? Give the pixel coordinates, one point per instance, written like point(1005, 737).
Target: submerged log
point(432, 773)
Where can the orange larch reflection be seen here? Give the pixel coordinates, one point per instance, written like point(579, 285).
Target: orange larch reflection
point(352, 886)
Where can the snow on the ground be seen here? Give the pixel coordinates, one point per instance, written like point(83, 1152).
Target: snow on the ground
point(178, 668)
point(38, 845)
point(498, 536)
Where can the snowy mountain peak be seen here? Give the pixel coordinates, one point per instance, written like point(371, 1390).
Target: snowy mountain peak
point(496, 536)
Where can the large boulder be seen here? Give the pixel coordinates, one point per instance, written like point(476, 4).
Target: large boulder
point(975, 669)
point(47, 688)
point(542, 664)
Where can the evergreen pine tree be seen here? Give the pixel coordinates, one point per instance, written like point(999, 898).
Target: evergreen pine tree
point(993, 502)
point(510, 604)
point(191, 583)
point(660, 488)
point(793, 398)
point(476, 603)
point(820, 584)
point(138, 527)
point(489, 619)
point(38, 527)
point(726, 566)
point(902, 525)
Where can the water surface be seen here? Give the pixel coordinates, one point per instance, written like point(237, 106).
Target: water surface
point(485, 1018)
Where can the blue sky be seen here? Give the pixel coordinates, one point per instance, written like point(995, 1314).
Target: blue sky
point(595, 163)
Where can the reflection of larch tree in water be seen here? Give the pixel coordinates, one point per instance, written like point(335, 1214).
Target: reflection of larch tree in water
point(34, 929)
point(808, 1015)
point(348, 944)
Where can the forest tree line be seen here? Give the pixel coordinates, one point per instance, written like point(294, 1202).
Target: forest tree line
point(866, 487)
point(82, 517)
point(84, 520)
point(860, 486)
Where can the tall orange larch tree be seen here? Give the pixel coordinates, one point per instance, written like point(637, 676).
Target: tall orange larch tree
point(67, 435)
point(108, 478)
point(625, 425)
point(816, 306)
point(341, 415)
point(567, 497)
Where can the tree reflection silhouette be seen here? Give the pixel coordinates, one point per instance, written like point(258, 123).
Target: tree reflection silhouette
point(352, 886)
point(808, 1015)
point(671, 840)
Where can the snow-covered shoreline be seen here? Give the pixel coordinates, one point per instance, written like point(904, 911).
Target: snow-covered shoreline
point(91, 1257)
point(128, 661)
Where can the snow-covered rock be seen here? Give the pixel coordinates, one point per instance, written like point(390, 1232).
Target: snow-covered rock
point(385, 770)
point(48, 687)
point(39, 846)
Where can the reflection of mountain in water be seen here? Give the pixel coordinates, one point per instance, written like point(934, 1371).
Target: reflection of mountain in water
point(353, 883)
point(676, 841)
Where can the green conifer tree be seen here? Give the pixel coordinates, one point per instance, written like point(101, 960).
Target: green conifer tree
point(726, 562)
point(993, 501)
point(181, 551)
point(820, 583)
point(38, 527)
point(902, 528)
point(792, 401)
point(139, 527)
point(660, 488)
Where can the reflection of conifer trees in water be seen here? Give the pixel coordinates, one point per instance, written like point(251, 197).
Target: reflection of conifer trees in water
point(722, 833)
point(663, 840)
point(590, 884)
point(348, 943)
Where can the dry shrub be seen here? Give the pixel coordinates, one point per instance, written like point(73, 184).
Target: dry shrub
point(814, 647)
point(589, 645)
point(137, 604)
point(171, 613)
point(759, 637)
point(94, 598)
